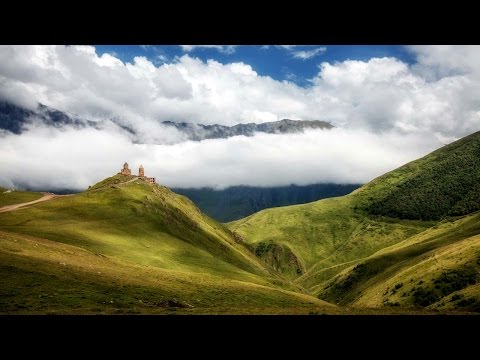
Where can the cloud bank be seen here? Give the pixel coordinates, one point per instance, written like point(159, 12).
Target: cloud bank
point(52, 158)
point(387, 112)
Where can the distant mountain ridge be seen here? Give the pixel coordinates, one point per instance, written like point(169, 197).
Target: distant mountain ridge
point(15, 118)
point(198, 132)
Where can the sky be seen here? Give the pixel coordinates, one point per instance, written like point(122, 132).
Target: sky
point(389, 105)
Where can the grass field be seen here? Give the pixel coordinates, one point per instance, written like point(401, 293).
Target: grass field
point(17, 197)
point(44, 276)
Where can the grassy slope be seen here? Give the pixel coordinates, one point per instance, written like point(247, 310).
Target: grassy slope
point(139, 231)
point(326, 235)
point(445, 182)
point(335, 234)
point(426, 270)
point(48, 277)
point(44, 276)
point(17, 197)
point(140, 223)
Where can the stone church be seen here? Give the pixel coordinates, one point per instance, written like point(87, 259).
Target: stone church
point(141, 173)
point(125, 170)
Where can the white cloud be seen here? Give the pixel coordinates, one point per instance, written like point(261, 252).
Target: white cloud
point(308, 54)
point(297, 53)
point(162, 58)
point(76, 158)
point(287, 47)
point(436, 61)
point(226, 49)
point(433, 101)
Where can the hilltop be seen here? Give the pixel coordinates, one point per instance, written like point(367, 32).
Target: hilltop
point(127, 245)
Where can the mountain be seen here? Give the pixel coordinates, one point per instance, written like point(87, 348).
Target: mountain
point(236, 202)
point(198, 132)
point(127, 246)
point(14, 118)
point(408, 238)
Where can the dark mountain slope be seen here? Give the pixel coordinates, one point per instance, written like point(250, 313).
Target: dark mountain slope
point(236, 202)
point(445, 182)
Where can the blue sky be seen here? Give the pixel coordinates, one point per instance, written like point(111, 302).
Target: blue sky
point(277, 62)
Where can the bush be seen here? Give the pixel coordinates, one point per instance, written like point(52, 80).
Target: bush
point(263, 248)
point(447, 283)
point(455, 280)
point(423, 297)
point(457, 297)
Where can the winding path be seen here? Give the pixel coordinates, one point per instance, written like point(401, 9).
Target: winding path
point(50, 196)
point(45, 197)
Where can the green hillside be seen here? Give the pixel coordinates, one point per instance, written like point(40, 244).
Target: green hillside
point(130, 240)
point(445, 182)
point(326, 235)
point(339, 240)
point(438, 268)
point(130, 215)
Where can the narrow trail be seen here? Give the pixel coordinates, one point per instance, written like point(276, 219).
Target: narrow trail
point(50, 196)
point(45, 197)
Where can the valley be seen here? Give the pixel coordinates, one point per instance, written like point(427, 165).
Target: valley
point(355, 253)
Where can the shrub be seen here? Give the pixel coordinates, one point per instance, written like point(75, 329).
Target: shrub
point(457, 297)
point(423, 297)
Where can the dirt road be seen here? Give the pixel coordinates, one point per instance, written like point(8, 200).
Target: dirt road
point(46, 197)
